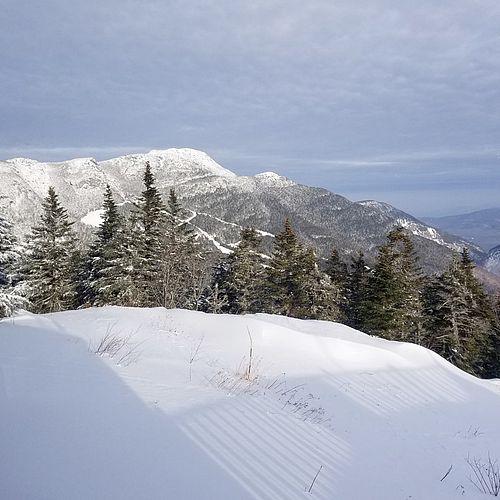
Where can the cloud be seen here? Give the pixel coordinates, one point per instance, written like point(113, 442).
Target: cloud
point(313, 85)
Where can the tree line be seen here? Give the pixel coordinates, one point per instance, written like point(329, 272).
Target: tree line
point(151, 258)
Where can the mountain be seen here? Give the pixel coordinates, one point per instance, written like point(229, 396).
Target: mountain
point(492, 263)
point(219, 202)
point(130, 404)
point(481, 228)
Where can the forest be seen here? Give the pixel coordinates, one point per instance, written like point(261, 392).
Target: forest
point(151, 257)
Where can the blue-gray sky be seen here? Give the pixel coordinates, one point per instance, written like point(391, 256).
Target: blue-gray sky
point(385, 99)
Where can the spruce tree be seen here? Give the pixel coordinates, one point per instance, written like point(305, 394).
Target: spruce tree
point(49, 267)
point(491, 368)
point(103, 273)
point(215, 296)
point(283, 287)
point(181, 273)
point(10, 298)
point(337, 270)
point(458, 317)
point(243, 280)
point(393, 308)
point(321, 298)
point(294, 284)
point(356, 292)
point(174, 207)
point(146, 226)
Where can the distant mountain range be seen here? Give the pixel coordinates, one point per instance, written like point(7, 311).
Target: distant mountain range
point(481, 227)
point(219, 203)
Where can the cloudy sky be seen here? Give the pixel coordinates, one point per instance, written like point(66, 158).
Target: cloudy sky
point(385, 99)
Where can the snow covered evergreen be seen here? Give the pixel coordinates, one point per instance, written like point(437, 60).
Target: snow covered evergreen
point(10, 298)
point(50, 265)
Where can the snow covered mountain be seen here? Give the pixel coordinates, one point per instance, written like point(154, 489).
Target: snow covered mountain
point(219, 201)
point(481, 227)
point(492, 263)
point(117, 403)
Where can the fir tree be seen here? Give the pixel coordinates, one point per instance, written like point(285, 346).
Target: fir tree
point(491, 368)
point(215, 296)
point(10, 298)
point(283, 273)
point(241, 282)
point(147, 224)
point(174, 207)
point(103, 273)
point(49, 267)
point(294, 284)
point(337, 270)
point(320, 296)
point(356, 292)
point(182, 274)
point(393, 303)
point(458, 317)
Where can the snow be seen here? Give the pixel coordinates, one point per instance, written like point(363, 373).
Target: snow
point(93, 218)
point(383, 420)
point(211, 238)
point(428, 233)
point(222, 221)
point(183, 157)
point(274, 179)
point(492, 263)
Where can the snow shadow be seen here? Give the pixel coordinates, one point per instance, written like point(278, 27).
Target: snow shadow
point(270, 452)
point(392, 435)
point(71, 429)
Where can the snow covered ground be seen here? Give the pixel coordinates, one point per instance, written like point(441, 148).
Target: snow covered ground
point(171, 413)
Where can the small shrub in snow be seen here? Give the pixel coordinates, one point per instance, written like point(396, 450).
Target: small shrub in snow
point(194, 356)
point(295, 400)
point(120, 349)
point(486, 475)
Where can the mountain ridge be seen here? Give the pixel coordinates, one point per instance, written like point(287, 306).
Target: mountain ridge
point(222, 201)
point(481, 227)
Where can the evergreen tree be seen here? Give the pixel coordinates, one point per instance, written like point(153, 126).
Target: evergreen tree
point(491, 368)
point(103, 272)
point(215, 296)
point(458, 317)
point(10, 298)
point(144, 240)
point(321, 297)
point(182, 274)
point(337, 270)
point(294, 284)
point(283, 274)
point(49, 267)
point(356, 292)
point(393, 304)
point(174, 207)
point(239, 279)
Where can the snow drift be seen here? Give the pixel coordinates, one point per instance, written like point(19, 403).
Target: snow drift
point(118, 403)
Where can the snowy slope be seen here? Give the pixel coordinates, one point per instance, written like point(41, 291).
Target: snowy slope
point(492, 263)
point(379, 420)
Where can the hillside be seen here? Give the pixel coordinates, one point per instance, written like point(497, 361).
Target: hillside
point(481, 227)
point(169, 412)
point(219, 203)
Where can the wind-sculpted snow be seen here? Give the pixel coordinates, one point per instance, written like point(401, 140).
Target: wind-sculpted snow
point(174, 411)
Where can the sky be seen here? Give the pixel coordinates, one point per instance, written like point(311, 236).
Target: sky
point(383, 99)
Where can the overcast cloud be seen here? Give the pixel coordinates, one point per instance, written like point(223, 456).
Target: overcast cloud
point(393, 100)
